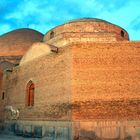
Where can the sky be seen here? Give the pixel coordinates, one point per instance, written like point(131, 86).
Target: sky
point(42, 15)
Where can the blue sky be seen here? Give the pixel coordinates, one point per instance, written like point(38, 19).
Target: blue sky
point(42, 15)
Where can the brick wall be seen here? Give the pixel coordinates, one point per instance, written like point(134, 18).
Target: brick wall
point(94, 80)
point(51, 76)
point(106, 81)
point(12, 59)
point(1, 101)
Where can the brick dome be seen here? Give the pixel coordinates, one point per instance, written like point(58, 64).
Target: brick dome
point(17, 42)
point(91, 28)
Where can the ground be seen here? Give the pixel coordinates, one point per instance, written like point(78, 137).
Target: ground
point(9, 137)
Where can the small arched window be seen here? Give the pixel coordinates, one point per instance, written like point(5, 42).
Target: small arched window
point(30, 94)
point(122, 33)
point(3, 95)
point(51, 34)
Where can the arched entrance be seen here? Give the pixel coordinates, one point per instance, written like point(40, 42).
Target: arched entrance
point(30, 94)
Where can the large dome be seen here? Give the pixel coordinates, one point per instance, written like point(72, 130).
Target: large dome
point(92, 29)
point(17, 42)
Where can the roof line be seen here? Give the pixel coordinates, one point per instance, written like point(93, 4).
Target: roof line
point(86, 20)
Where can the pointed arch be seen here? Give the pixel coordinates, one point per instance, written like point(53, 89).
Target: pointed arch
point(30, 94)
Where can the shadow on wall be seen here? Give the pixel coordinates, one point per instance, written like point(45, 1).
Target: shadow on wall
point(92, 135)
point(37, 131)
point(52, 132)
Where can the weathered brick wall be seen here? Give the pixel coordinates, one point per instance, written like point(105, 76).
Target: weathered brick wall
point(12, 59)
point(1, 75)
point(51, 76)
point(68, 38)
point(1, 101)
point(106, 81)
point(95, 80)
point(106, 130)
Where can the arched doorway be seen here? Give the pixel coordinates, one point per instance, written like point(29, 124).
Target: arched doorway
point(30, 94)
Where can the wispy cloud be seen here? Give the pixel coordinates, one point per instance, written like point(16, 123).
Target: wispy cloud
point(45, 14)
point(135, 24)
point(5, 28)
point(112, 5)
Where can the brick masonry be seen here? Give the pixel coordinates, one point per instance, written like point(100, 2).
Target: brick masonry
point(93, 80)
point(105, 81)
point(94, 76)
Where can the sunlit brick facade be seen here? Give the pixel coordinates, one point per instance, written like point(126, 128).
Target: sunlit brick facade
point(86, 82)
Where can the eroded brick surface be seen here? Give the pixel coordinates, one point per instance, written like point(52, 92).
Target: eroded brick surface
point(105, 81)
point(88, 89)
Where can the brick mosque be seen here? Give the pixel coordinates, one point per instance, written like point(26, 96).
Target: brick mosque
point(80, 81)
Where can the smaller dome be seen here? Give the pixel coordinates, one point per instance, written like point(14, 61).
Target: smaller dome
point(37, 49)
point(17, 42)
